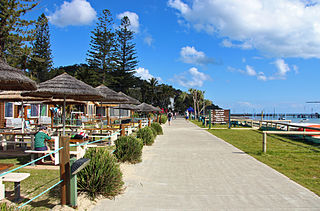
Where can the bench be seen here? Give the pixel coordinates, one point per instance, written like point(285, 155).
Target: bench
point(16, 178)
point(56, 155)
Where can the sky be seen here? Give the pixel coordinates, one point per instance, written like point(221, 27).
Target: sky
point(247, 56)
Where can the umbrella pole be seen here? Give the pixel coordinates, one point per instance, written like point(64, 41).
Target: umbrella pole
point(64, 117)
point(22, 116)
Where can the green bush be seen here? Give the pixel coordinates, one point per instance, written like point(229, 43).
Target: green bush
point(157, 127)
point(102, 176)
point(7, 207)
point(154, 132)
point(146, 135)
point(163, 119)
point(128, 148)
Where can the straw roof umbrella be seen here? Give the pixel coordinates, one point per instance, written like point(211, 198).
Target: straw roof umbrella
point(110, 95)
point(126, 106)
point(65, 86)
point(14, 79)
point(61, 101)
point(16, 96)
point(144, 107)
point(131, 100)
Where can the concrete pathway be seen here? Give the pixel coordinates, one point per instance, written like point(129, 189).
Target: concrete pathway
point(189, 169)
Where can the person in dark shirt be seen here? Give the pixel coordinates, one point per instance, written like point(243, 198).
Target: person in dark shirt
point(39, 140)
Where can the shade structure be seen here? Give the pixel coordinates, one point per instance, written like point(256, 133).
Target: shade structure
point(15, 96)
point(65, 86)
point(14, 79)
point(127, 107)
point(157, 109)
point(111, 96)
point(61, 101)
point(131, 100)
point(144, 107)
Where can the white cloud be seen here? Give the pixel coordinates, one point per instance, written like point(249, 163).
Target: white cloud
point(191, 56)
point(148, 40)
point(250, 71)
point(282, 69)
point(145, 74)
point(277, 28)
point(191, 78)
point(76, 12)
point(134, 20)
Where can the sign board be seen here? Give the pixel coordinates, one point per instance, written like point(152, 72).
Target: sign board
point(220, 116)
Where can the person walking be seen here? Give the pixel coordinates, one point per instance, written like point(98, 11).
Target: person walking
point(170, 117)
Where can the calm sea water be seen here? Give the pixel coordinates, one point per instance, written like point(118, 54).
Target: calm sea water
point(293, 119)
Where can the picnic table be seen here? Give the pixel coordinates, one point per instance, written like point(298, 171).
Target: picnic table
point(14, 140)
point(3, 168)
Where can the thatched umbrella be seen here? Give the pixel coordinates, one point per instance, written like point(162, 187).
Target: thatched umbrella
point(61, 101)
point(144, 107)
point(14, 79)
point(17, 96)
point(131, 100)
point(111, 96)
point(126, 106)
point(65, 86)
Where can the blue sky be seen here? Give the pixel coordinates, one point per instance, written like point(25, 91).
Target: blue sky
point(248, 55)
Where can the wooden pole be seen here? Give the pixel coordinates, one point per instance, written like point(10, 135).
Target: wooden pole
point(64, 156)
point(140, 124)
point(149, 122)
point(123, 130)
point(264, 143)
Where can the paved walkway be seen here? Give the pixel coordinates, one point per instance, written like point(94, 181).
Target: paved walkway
point(189, 169)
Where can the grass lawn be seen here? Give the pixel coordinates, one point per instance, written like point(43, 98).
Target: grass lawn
point(39, 180)
point(297, 160)
point(215, 126)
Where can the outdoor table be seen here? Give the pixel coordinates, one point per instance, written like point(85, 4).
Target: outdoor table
point(59, 132)
point(3, 168)
point(92, 130)
point(14, 134)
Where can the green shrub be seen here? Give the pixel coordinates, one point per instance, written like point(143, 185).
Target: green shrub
point(154, 132)
point(163, 119)
point(102, 176)
point(146, 135)
point(128, 148)
point(157, 127)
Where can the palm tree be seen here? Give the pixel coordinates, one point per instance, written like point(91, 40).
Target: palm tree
point(153, 83)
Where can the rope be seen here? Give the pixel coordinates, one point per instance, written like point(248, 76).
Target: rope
point(5, 173)
point(37, 196)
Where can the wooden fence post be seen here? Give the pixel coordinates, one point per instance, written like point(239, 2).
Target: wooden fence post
point(123, 130)
point(149, 122)
point(264, 142)
point(64, 156)
point(140, 124)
